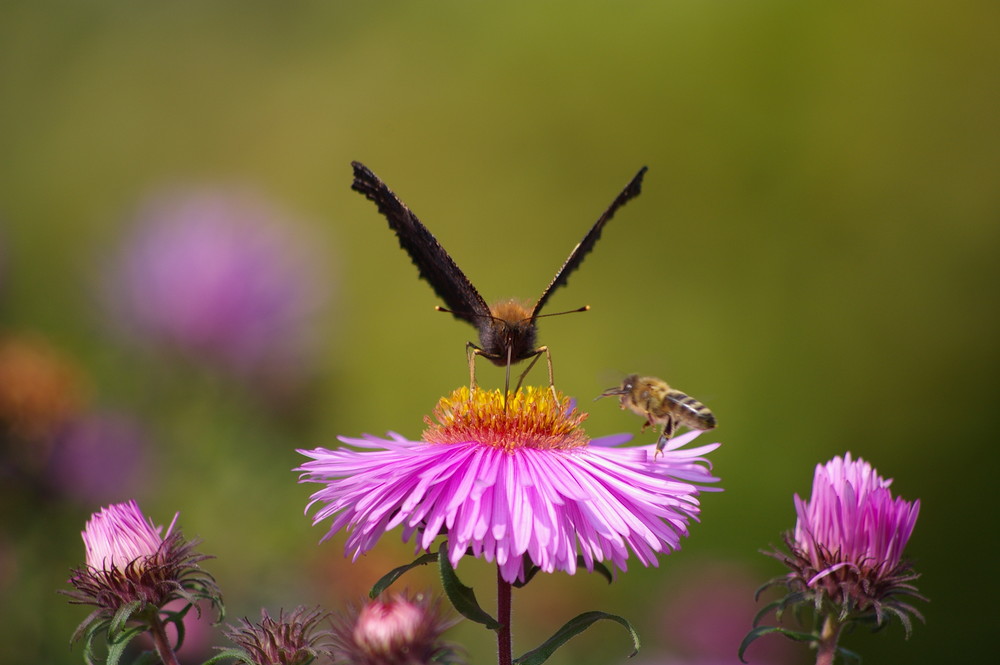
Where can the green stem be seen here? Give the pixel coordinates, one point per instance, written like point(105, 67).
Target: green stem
point(826, 650)
point(504, 654)
point(160, 640)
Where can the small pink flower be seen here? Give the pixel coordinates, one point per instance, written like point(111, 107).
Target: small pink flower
point(852, 520)
point(396, 630)
point(847, 547)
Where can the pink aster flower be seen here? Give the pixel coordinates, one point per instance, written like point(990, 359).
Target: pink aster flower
point(510, 483)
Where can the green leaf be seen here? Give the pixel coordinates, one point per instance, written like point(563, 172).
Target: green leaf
point(147, 658)
point(87, 625)
point(571, 629)
point(117, 643)
point(88, 650)
point(237, 654)
point(764, 611)
point(396, 573)
point(531, 570)
point(599, 568)
point(463, 598)
point(766, 630)
point(181, 632)
point(122, 616)
point(178, 615)
point(849, 656)
point(91, 631)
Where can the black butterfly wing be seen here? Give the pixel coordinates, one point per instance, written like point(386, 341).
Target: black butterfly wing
point(632, 190)
point(433, 262)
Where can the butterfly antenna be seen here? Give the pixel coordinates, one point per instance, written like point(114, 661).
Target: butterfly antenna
point(497, 318)
point(439, 308)
point(585, 308)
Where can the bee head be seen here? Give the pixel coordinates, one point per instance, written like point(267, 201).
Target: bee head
point(624, 389)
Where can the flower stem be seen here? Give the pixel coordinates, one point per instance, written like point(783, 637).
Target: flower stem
point(161, 641)
point(504, 655)
point(827, 648)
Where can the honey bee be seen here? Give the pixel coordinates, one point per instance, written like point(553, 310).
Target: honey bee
point(660, 404)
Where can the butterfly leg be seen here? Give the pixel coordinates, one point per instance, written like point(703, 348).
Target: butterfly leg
point(506, 380)
point(471, 351)
point(552, 380)
point(548, 361)
point(520, 379)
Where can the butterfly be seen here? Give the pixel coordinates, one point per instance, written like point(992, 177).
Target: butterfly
point(507, 329)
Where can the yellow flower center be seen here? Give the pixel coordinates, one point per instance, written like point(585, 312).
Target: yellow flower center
point(531, 418)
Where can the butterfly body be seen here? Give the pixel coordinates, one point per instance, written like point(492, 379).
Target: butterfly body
point(508, 329)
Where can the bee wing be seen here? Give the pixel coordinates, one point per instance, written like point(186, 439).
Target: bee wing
point(431, 259)
point(632, 190)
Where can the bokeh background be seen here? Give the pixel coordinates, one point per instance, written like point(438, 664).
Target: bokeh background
point(814, 255)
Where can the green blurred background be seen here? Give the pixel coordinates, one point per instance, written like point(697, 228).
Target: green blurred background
point(814, 255)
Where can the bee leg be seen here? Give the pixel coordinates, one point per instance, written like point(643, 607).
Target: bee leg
point(669, 428)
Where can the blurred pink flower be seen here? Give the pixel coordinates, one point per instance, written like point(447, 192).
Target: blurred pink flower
point(218, 276)
point(706, 612)
point(99, 457)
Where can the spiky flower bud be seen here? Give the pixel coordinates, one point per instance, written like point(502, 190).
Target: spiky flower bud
point(294, 638)
point(130, 562)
